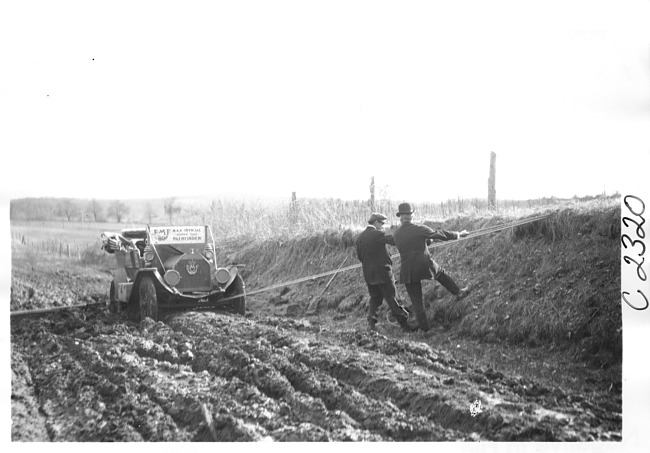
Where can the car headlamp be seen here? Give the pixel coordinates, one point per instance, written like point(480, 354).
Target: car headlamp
point(148, 254)
point(209, 251)
point(172, 277)
point(222, 275)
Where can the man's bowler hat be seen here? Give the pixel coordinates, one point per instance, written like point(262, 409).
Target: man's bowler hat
point(405, 208)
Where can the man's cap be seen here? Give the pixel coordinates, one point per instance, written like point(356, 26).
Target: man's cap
point(376, 216)
point(405, 208)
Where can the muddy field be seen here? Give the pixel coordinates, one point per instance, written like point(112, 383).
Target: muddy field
point(532, 354)
point(85, 375)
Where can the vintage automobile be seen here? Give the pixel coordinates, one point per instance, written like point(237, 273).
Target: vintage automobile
point(170, 268)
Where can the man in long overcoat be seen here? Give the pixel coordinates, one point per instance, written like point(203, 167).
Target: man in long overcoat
point(416, 261)
point(372, 251)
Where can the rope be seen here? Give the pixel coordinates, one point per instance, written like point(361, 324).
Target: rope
point(477, 233)
point(52, 309)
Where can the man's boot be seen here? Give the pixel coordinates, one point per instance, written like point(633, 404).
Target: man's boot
point(372, 325)
point(463, 292)
point(406, 327)
point(423, 321)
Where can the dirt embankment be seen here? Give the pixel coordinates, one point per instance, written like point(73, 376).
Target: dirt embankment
point(553, 283)
point(281, 374)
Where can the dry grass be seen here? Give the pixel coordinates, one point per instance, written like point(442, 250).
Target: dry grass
point(257, 219)
point(549, 283)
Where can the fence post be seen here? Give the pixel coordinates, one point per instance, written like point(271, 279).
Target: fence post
point(492, 191)
point(293, 203)
point(67, 246)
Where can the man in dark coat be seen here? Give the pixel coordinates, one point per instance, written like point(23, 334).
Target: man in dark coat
point(372, 251)
point(416, 261)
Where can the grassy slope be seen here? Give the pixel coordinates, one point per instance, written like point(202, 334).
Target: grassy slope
point(551, 283)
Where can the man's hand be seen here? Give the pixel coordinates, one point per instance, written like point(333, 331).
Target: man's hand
point(462, 234)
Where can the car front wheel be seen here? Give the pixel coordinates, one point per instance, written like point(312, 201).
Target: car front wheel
point(148, 300)
point(236, 288)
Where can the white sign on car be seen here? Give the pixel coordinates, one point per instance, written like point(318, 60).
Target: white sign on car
point(177, 235)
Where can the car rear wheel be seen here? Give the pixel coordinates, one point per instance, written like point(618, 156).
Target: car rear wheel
point(148, 300)
point(237, 287)
point(112, 300)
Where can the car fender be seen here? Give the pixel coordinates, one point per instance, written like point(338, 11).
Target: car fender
point(234, 271)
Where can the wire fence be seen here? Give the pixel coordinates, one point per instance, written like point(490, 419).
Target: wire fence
point(57, 248)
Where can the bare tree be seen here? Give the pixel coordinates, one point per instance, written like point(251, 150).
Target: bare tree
point(118, 210)
point(149, 211)
point(96, 209)
point(68, 208)
point(171, 208)
point(214, 208)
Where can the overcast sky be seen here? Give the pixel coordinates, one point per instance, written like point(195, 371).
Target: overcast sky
point(153, 99)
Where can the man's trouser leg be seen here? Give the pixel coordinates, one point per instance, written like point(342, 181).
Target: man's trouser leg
point(376, 298)
point(444, 279)
point(414, 291)
point(388, 290)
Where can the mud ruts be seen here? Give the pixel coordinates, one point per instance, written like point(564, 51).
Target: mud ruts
point(272, 378)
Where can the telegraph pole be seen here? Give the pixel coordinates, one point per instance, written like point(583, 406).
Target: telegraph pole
point(492, 191)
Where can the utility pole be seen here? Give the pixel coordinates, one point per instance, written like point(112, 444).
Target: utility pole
point(492, 191)
point(372, 194)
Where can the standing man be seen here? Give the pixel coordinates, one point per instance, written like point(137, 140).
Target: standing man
point(372, 251)
point(417, 264)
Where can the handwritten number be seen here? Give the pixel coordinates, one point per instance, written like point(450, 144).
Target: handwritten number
point(633, 243)
point(639, 269)
point(640, 205)
point(630, 208)
point(639, 230)
point(628, 302)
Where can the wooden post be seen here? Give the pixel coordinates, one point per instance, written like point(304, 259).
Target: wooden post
point(492, 191)
point(293, 205)
point(372, 194)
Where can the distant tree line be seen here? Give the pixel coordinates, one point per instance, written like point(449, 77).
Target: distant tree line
point(227, 213)
point(94, 210)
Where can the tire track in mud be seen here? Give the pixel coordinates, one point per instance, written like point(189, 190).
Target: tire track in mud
point(212, 376)
point(420, 395)
point(89, 391)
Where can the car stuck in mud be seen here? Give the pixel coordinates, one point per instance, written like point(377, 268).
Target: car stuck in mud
point(170, 268)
